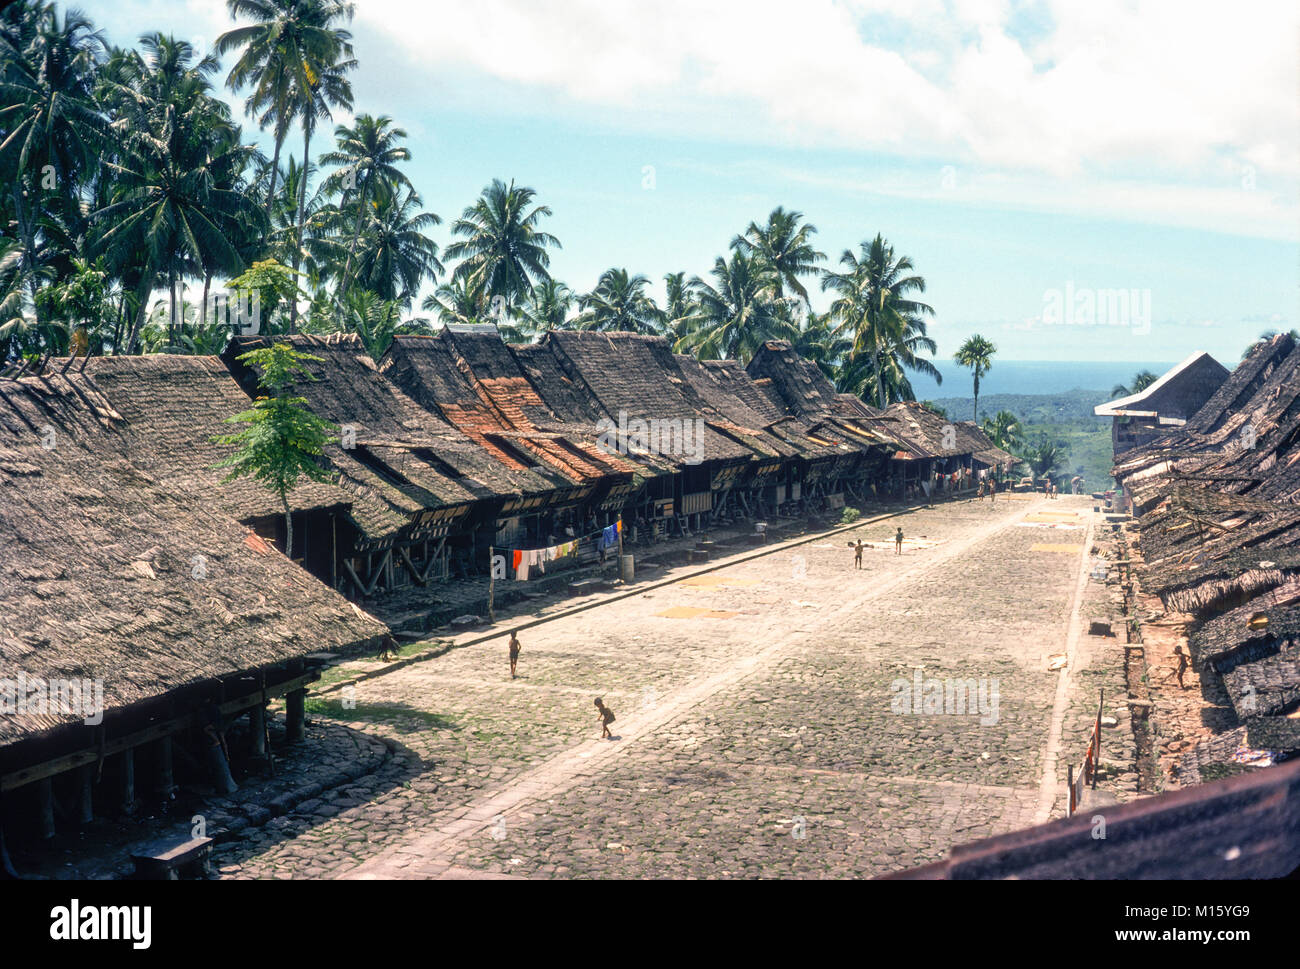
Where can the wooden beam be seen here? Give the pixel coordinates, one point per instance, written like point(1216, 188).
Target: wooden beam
point(90, 755)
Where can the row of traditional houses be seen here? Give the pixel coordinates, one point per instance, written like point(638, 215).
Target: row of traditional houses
point(1217, 505)
point(129, 566)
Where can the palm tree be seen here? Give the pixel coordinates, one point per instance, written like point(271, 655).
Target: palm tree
point(286, 49)
point(176, 198)
point(976, 353)
point(546, 309)
point(367, 154)
point(784, 245)
point(1045, 456)
point(1004, 430)
point(872, 304)
point(619, 302)
point(52, 128)
point(1141, 381)
point(738, 312)
point(680, 314)
point(454, 302)
point(503, 251)
point(395, 255)
point(329, 88)
point(1265, 337)
point(819, 342)
point(884, 376)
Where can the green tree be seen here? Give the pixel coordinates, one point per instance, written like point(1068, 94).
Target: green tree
point(454, 302)
point(785, 246)
point(503, 251)
point(546, 309)
point(271, 283)
point(977, 354)
point(283, 441)
point(1141, 381)
point(177, 204)
point(874, 307)
point(738, 311)
point(51, 130)
point(1004, 430)
point(619, 303)
point(1265, 337)
point(367, 156)
point(395, 256)
point(283, 54)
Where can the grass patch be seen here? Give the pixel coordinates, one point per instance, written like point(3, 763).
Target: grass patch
point(378, 712)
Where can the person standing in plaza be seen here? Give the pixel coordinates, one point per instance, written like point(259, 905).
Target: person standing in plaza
point(857, 554)
point(515, 649)
point(606, 718)
point(993, 490)
point(898, 541)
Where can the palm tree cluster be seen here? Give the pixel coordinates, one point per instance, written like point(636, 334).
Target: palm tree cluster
point(130, 179)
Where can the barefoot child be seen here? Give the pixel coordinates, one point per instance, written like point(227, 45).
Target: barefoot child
point(514, 651)
point(606, 718)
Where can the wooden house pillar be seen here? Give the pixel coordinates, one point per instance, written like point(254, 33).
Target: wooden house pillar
point(295, 716)
point(257, 731)
point(85, 794)
point(220, 767)
point(129, 803)
point(166, 777)
point(45, 807)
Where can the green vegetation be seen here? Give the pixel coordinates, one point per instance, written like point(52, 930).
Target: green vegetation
point(283, 440)
point(380, 712)
point(977, 354)
point(849, 516)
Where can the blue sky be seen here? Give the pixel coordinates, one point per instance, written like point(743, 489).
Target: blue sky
point(1018, 152)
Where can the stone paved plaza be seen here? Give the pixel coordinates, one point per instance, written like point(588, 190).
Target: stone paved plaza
point(756, 731)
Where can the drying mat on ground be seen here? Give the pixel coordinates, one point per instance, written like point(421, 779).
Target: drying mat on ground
point(691, 612)
point(716, 580)
point(1043, 547)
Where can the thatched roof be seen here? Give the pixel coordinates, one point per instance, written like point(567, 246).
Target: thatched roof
point(638, 376)
point(171, 406)
point(409, 457)
point(798, 388)
point(98, 558)
point(470, 376)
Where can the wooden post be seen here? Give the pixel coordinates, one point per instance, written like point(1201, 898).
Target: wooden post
point(166, 778)
point(45, 806)
point(492, 576)
point(1069, 782)
point(85, 788)
point(257, 731)
point(219, 766)
point(295, 716)
point(129, 804)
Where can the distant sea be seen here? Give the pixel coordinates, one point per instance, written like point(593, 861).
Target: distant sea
point(1031, 377)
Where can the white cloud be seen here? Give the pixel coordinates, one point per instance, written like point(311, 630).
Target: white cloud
point(1109, 94)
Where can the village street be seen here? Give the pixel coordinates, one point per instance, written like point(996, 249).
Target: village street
point(758, 732)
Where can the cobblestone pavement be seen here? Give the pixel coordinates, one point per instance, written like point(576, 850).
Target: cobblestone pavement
point(758, 734)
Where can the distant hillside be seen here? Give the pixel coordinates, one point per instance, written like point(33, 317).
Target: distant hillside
point(1065, 407)
point(1066, 416)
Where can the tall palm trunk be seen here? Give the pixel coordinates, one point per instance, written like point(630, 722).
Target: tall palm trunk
point(302, 221)
point(146, 286)
point(356, 234)
point(275, 170)
point(172, 325)
point(976, 415)
point(29, 247)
